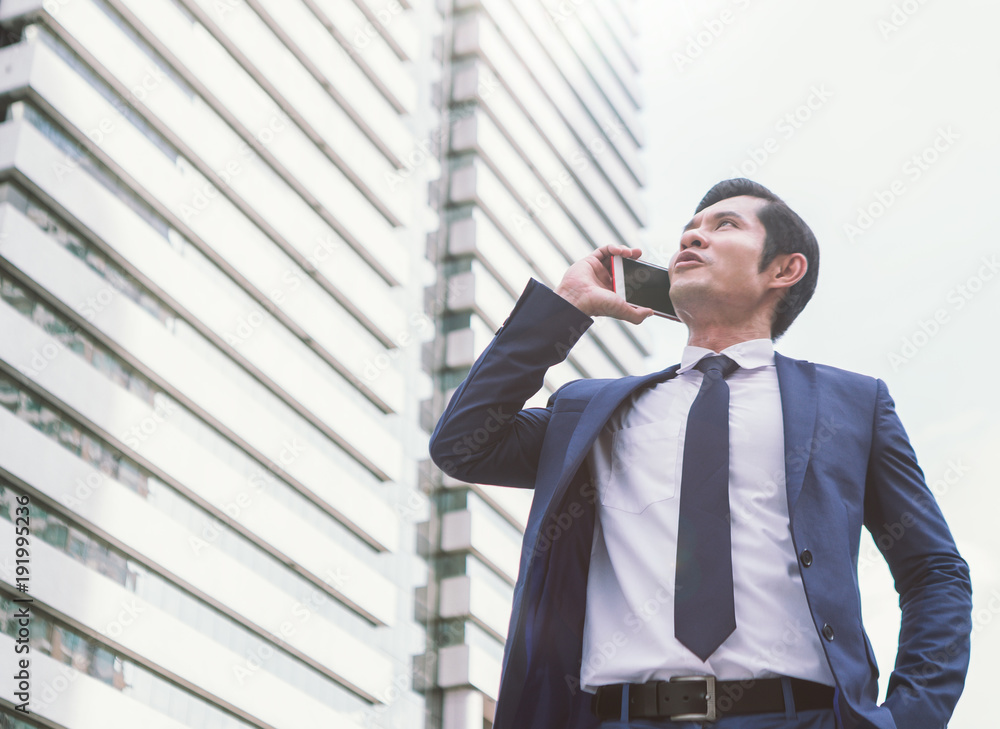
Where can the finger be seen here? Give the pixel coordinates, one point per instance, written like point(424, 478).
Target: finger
point(605, 252)
point(624, 251)
point(637, 314)
point(617, 307)
point(603, 257)
point(603, 260)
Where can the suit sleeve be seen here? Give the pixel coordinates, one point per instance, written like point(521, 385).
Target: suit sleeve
point(485, 435)
point(932, 579)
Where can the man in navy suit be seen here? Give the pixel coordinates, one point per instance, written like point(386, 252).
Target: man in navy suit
point(678, 571)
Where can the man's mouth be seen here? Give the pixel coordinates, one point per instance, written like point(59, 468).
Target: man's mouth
point(687, 258)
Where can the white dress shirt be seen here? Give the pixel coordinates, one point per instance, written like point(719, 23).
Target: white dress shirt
point(636, 461)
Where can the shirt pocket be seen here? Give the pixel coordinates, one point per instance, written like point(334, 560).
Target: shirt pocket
point(644, 467)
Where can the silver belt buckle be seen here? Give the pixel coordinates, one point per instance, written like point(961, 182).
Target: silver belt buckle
point(710, 711)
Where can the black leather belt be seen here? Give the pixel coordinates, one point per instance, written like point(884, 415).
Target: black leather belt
point(702, 698)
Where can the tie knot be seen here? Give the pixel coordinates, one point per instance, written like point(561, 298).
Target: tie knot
point(719, 363)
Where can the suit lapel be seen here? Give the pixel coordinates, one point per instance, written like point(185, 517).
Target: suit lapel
point(597, 413)
point(797, 384)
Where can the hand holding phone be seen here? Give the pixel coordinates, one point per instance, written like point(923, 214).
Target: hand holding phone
point(588, 286)
point(643, 284)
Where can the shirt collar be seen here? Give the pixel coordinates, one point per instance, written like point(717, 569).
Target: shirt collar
point(748, 355)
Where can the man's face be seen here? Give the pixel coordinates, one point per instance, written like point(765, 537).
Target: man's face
point(718, 260)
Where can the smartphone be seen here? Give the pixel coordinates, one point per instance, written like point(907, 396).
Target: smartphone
point(643, 284)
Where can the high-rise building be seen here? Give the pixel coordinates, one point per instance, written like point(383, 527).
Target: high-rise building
point(541, 166)
point(247, 249)
point(213, 239)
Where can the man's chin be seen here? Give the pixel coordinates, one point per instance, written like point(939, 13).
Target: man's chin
point(686, 292)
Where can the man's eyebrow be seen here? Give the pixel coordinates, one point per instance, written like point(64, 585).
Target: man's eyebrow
point(716, 216)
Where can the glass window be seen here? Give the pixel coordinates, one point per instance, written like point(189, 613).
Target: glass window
point(70, 436)
point(140, 387)
point(15, 296)
point(40, 315)
point(29, 409)
point(102, 664)
point(9, 395)
point(48, 422)
point(96, 261)
point(77, 546)
point(115, 567)
point(132, 477)
point(63, 646)
point(41, 632)
point(56, 534)
point(90, 449)
point(8, 720)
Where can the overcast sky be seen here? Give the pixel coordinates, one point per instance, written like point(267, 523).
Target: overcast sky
point(878, 122)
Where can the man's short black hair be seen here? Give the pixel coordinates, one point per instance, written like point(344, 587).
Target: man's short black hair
point(786, 232)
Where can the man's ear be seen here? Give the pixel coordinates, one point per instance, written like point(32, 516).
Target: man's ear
point(787, 270)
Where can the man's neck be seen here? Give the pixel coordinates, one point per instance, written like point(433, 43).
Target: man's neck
point(716, 328)
point(720, 337)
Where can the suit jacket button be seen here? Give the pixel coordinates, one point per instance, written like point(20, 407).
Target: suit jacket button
point(828, 631)
point(806, 557)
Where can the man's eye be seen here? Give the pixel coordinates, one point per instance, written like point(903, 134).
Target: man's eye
point(723, 222)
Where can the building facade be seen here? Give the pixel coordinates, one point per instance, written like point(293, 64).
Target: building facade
point(247, 250)
point(540, 166)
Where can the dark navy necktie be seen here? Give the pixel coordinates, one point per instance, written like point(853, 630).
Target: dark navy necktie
point(704, 611)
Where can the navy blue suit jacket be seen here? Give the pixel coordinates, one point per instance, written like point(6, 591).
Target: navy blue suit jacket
point(848, 464)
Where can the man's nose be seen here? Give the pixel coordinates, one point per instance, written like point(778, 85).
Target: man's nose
point(692, 239)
